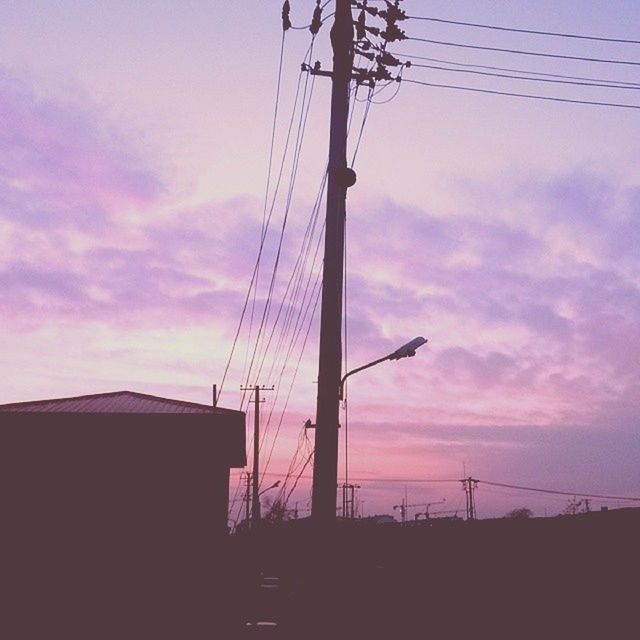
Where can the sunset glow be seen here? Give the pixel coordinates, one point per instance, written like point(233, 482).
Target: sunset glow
point(134, 146)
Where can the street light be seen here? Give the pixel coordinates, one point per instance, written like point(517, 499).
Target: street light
point(273, 486)
point(405, 351)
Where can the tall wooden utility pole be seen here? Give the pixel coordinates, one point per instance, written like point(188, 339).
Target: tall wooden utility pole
point(340, 177)
point(255, 498)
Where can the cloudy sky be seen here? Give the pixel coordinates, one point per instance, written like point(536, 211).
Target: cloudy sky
point(134, 153)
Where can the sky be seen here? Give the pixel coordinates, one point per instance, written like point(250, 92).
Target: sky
point(134, 154)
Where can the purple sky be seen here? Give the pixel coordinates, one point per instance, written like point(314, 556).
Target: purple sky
point(134, 144)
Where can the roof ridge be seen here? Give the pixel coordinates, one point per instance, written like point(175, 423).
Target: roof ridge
point(111, 394)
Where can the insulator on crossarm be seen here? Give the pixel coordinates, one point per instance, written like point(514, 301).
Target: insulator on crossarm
point(369, 55)
point(373, 11)
point(361, 31)
point(392, 33)
point(392, 13)
point(388, 60)
point(286, 10)
point(381, 73)
point(316, 21)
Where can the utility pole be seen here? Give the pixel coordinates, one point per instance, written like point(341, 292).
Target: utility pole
point(469, 484)
point(340, 177)
point(349, 500)
point(247, 497)
point(345, 41)
point(255, 499)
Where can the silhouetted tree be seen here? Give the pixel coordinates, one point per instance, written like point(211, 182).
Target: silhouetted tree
point(575, 506)
point(520, 513)
point(276, 511)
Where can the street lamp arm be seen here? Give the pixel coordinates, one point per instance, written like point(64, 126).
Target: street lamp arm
point(362, 368)
point(405, 351)
point(273, 486)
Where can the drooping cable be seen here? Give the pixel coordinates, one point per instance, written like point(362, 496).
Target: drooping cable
point(524, 52)
point(266, 193)
point(560, 493)
point(527, 78)
point(293, 305)
point(254, 276)
point(315, 294)
point(299, 259)
point(512, 70)
point(264, 234)
point(556, 34)
point(523, 95)
point(267, 306)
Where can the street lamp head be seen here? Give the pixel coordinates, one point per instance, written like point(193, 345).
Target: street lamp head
point(408, 350)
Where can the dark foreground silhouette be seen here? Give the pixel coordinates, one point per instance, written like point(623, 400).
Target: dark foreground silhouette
point(568, 577)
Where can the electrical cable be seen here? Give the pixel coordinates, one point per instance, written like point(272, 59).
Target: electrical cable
point(523, 95)
point(297, 149)
point(300, 475)
point(300, 137)
point(515, 77)
point(407, 480)
point(302, 312)
point(560, 493)
point(525, 52)
point(395, 93)
point(255, 276)
point(262, 239)
point(557, 34)
point(307, 26)
point(300, 315)
point(266, 201)
point(263, 230)
point(295, 374)
point(511, 70)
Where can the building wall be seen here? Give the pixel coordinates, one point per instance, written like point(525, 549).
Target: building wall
point(113, 526)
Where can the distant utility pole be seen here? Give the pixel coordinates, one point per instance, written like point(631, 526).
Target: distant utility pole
point(403, 506)
point(247, 497)
point(340, 177)
point(255, 501)
point(469, 484)
point(349, 500)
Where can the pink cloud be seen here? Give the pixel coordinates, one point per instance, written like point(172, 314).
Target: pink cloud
point(525, 331)
point(58, 167)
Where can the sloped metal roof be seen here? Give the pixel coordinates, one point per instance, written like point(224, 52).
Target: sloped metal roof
point(114, 402)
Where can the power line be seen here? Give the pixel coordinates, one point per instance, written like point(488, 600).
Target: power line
point(266, 202)
point(407, 480)
point(265, 223)
point(511, 70)
point(294, 168)
point(560, 493)
point(302, 314)
point(556, 34)
point(523, 52)
point(295, 373)
point(304, 306)
point(523, 95)
point(529, 79)
point(299, 476)
point(263, 237)
point(299, 139)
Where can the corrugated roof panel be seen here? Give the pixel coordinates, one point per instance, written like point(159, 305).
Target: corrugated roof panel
point(114, 402)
